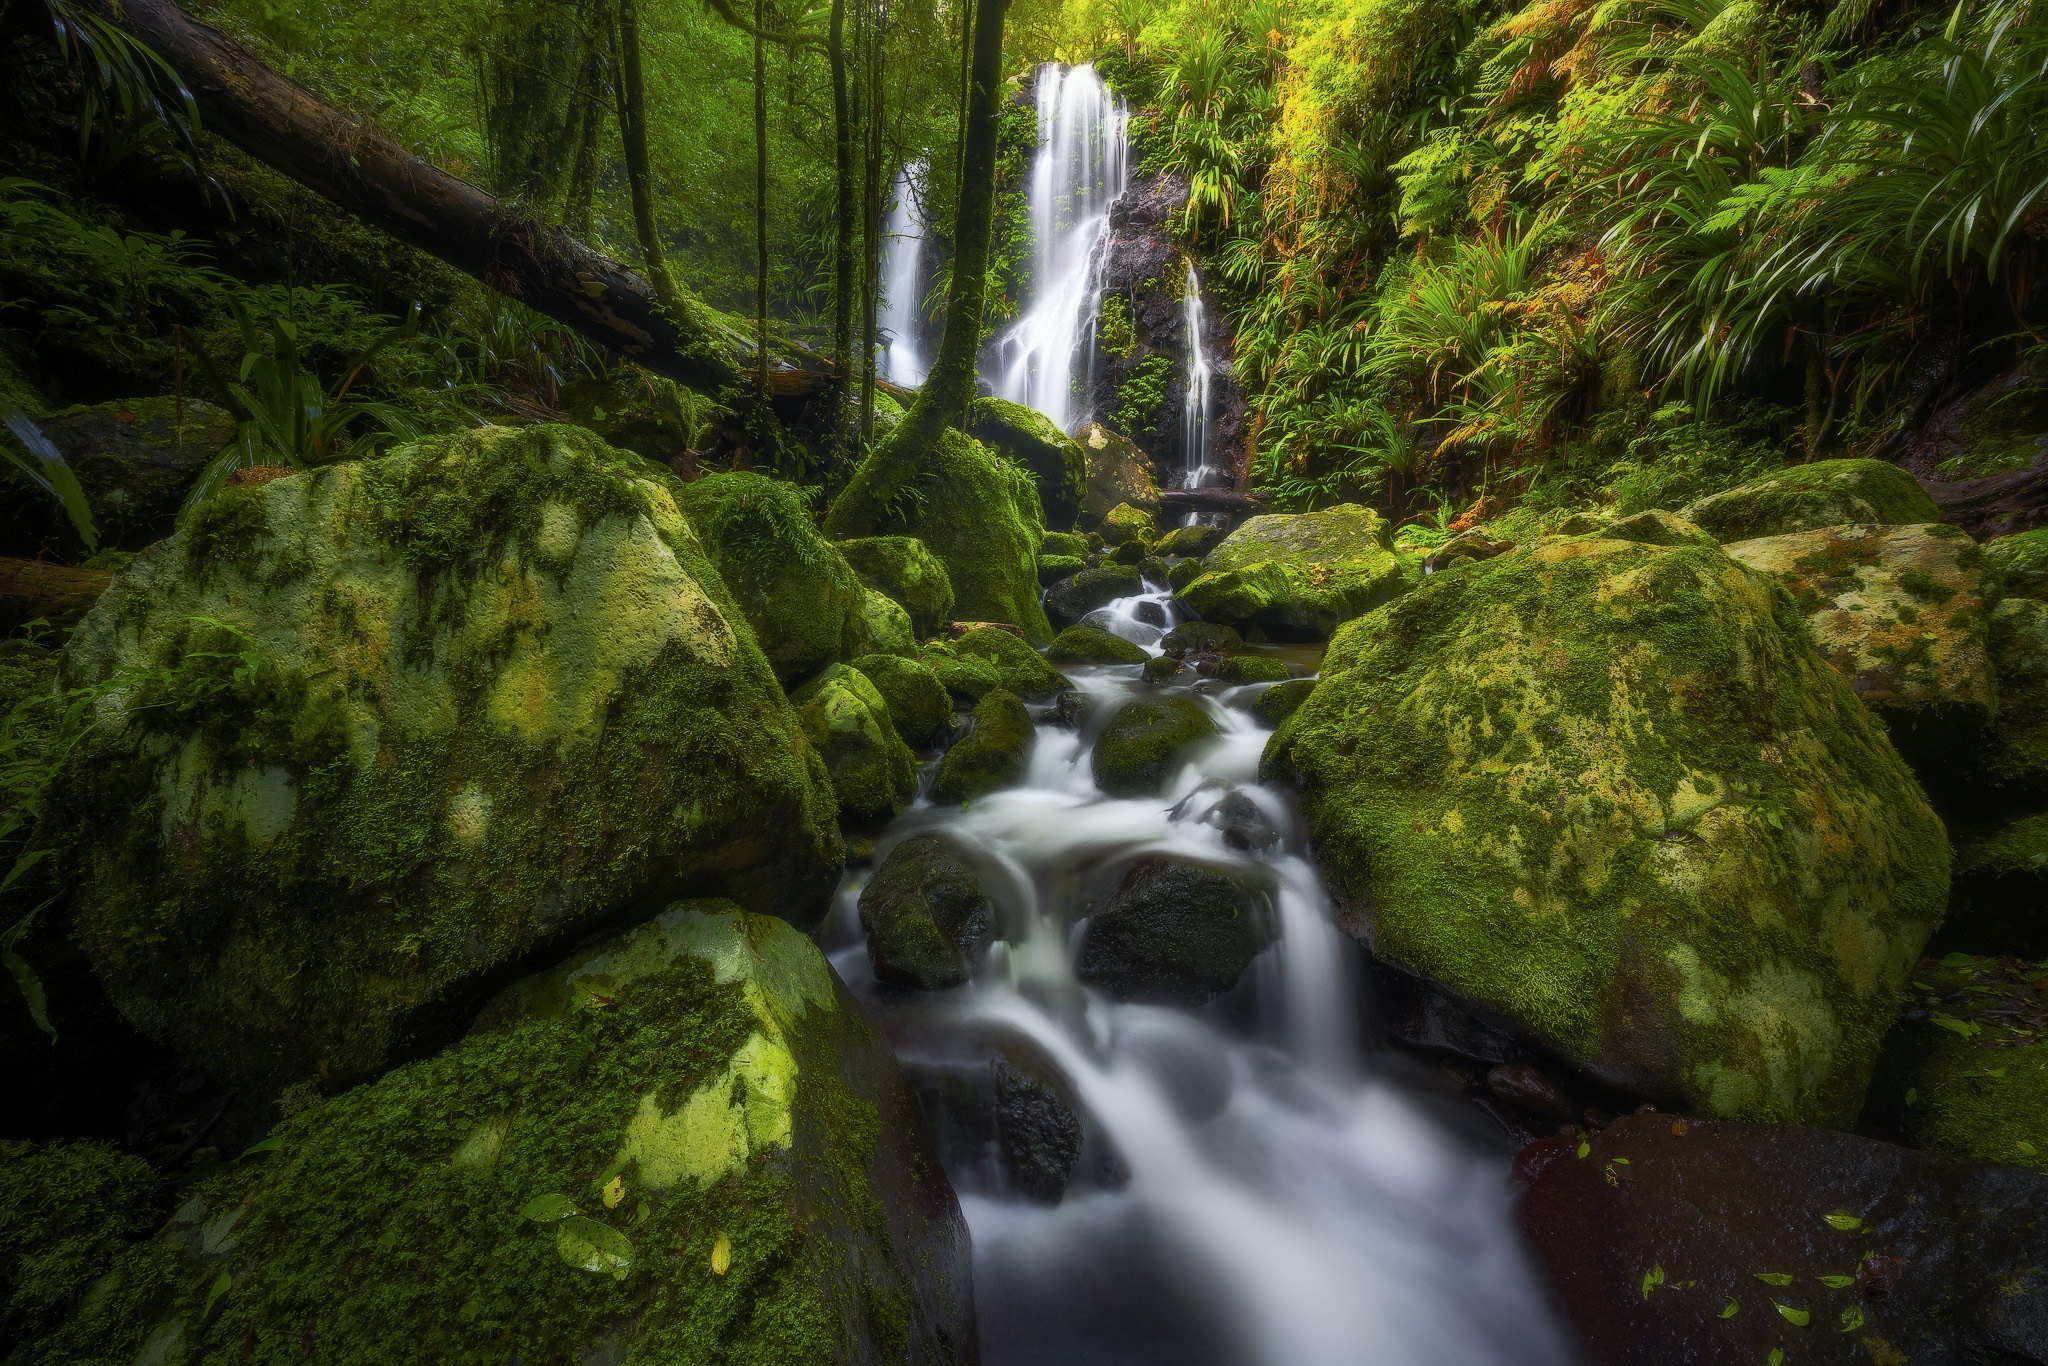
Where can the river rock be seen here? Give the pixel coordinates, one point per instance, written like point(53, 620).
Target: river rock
point(1525, 1085)
point(1655, 526)
point(984, 522)
point(1702, 1241)
point(925, 915)
point(1899, 612)
point(991, 756)
point(1201, 637)
point(1162, 668)
point(686, 1144)
point(1007, 1102)
point(1029, 438)
point(1612, 793)
point(1118, 472)
point(2019, 564)
point(1053, 568)
point(1071, 599)
point(1067, 544)
point(844, 717)
point(1173, 933)
point(136, 459)
point(901, 569)
point(632, 410)
point(918, 703)
point(1190, 540)
point(1998, 902)
point(1243, 822)
point(1085, 644)
point(1124, 526)
point(1298, 574)
point(1275, 704)
point(1466, 545)
point(1808, 497)
point(1238, 670)
point(1146, 743)
point(989, 657)
point(2013, 753)
point(404, 723)
point(66, 1211)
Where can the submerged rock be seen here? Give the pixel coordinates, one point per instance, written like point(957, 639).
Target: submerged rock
point(1695, 1240)
point(1073, 598)
point(1146, 743)
point(848, 724)
point(900, 568)
point(918, 703)
point(1612, 793)
point(684, 1145)
point(135, 459)
point(428, 715)
point(66, 1211)
point(1173, 933)
point(991, 756)
point(925, 915)
point(1085, 644)
point(987, 658)
point(1809, 497)
point(1029, 437)
point(1118, 472)
point(1298, 574)
point(1999, 900)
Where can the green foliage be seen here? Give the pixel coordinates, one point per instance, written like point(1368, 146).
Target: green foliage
point(1142, 395)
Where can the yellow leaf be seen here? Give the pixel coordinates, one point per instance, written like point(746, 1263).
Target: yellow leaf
point(721, 1254)
point(615, 1192)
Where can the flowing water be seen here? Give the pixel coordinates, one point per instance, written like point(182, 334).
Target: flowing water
point(901, 318)
point(1257, 1185)
point(1079, 171)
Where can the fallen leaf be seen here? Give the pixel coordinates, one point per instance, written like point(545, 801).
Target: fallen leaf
point(721, 1254)
point(1844, 1221)
point(1652, 1278)
point(2026, 1149)
point(1796, 1317)
point(1852, 1318)
point(545, 1209)
point(590, 1246)
point(1774, 1277)
point(614, 1192)
point(1585, 1148)
point(1678, 1128)
point(1838, 1282)
point(1732, 1309)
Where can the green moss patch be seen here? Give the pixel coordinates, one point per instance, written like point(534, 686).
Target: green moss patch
point(1808, 497)
point(1297, 574)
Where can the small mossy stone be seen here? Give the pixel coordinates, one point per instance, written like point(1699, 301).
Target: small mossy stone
point(1146, 742)
point(1241, 669)
point(135, 460)
point(2018, 565)
point(1298, 575)
point(1196, 541)
point(1086, 644)
point(918, 703)
point(1807, 497)
point(1133, 553)
point(2013, 755)
point(1201, 637)
point(1274, 705)
point(925, 915)
point(1173, 933)
point(992, 755)
point(682, 1144)
point(1117, 472)
point(1124, 524)
point(1582, 524)
point(1162, 668)
point(885, 628)
point(1071, 599)
point(1065, 543)
point(1018, 668)
point(1655, 526)
point(66, 1211)
point(1153, 570)
point(1998, 903)
point(848, 723)
point(1053, 568)
point(901, 568)
point(1033, 440)
point(1183, 573)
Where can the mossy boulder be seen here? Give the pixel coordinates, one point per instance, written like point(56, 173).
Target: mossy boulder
point(918, 703)
point(1173, 933)
point(925, 915)
point(1124, 525)
point(633, 410)
point(806, 605)
point(1653, 526)
point(900, 568)
point(1808, 497)
point(373, 736)
point(1053, 568)
point(844, 717)
point(1999, 901)
point(135, 459)
point(1146, 743)
point(1965, 1072)
point(1612, 794)
point(1182, 573)
point(1029, 438)
point(1298, 574)
point(1191, 540)
point(1085, 644)
point(992, 755)
point(2013, 753)
point(1201, 637)
point(1899, 612)
point(1118, 472)
point(66, 1211)
point(2018, 565)
point(1064, 543)
point(1073, 598)
point(1274, 705)
point(1238, 670)
point(988, 658)
point(684, 1145)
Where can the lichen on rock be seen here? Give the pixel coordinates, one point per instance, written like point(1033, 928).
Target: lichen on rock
point(1808, 497)
point(1298, 574)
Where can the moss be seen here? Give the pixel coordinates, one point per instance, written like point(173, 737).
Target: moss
point(701, 1083)
point(1183, 573)
point(1191, 540)
point(2014, 751)
point(135, 460)
point(430, 765)
point(2018, 565)
point(1999, 903)
point(1241, 669)
point(849, 725)
point(901, 568)
point(1145, 744)
point(1118, 472)
point(1300, 574)
point(1053, 568)
point(925, 915)
point(1612, 792)
point(981, 517)
point(1807, 497)
point(1063, 543)
point(1113, 327)
point(1142, 395)
point(1274, 705)
point(1030, 439)
point(1161, 669)
point(1965, 1072)
point(1085, 644)
point(66, 1211)
point(634, 410)
point(988, 657)
point(991, 756)
point(1124, 525)
point(917, 702)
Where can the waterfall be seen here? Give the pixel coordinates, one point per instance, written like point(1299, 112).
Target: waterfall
point(901, 321)
point(1194, 421)
point(1078, 173)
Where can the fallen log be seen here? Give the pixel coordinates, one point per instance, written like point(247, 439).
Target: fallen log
point(34, 590)
point(1230, 502)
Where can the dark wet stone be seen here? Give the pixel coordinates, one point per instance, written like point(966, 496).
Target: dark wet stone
point(1069, 710)
point(1151, 613)
point(1523, 1084)
point(1001, 1111)
point(1243, 821)
point(1073, 598)
point(1144, 744)
point(1191, 540)
point(1161, 668)
point(989, 757)
point(925, 915)
point(1173, 933)
point(1203, 637)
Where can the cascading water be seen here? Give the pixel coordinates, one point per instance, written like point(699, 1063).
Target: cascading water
point(1078, 173)
point(901, 320)
point(1272, 1195)
point(1197, 443)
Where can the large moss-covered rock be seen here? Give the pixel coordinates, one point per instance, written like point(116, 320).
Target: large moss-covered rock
point(918, 703)
point(1612, 793)
point(1298, 574)
point(806, 605)
point(925, 915)
point(1146, 743)
point(1899, 611)
point(375, 735)
point(135, 459)
point(66, 1211)
point(1075, 596)
point(844, 717)
point(1117, 472)
point(1808, 497)
point(1085, 644)
point(1999, 901)
point(1125, 525)
point(981, 517)
point(2014, 752)
point(988, 658)
point(2018, 565)
point(1173, 933)
point(1029, 438)
point(684, 1145)
point(901, 568)
point(992, 755)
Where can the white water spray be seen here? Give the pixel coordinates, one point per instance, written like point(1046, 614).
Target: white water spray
point(901, 321)
point(1194, 418)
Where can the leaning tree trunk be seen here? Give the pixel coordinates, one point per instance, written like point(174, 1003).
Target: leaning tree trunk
point(760, 200)
point(839, 440)
point(949, 385)
point(365, 172)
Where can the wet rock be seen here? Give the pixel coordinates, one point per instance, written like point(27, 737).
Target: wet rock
point(1998, 900)
point(844, 717)
point(1828, 1247)
point(1037, 1131)
point(1523, 1084)
point(66, 1211)
point(1004, 1102)
point(1470, 545)
point(1145, 744)
point(1053, 568)
point(1244, 823)
point(1183, 573)
point(683, 1143)
point(492, 693)
point(901, 569)
point(1071, 599)
point(1657, 527)
point(1086, 644)
point(1424, 1016)
point(2013, 753)
point(919, 705)
point(1124, 525)
point(1899, 612)
point(1275, 704)
point(1162, 668)
point(1653, 854)
point(987, 658)
point(1186, 1060)
point(135, 459)
point(1191, 540)
point(1965, 1070)
point(926, 916)
point(1173, 933)
point(1808, 497)
point(1030, 439)
point(1298, 575)
point(1065, 543)
point(1206, 637)
point(1118, 473)
point(2018, 565)
point(1238, 670)
point(1131, 552)
point(991, 756)
point(1151, 613)
point(1070, 710)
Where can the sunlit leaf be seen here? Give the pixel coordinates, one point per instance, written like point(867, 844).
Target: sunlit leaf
point(614, 1191)
point(545, 1209)
point(1796, 1317)
point(1731, 1309)
point(1838, 1282)
point(588, 1245)
point(1844, 1221)
point(721, 1254)
point(1652, 1278)
point(1852, 1318)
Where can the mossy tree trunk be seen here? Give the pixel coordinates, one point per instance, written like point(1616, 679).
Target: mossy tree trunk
point(760, 206)
point(839, 441)
point(871, 292)
point(949, 385)
point(530, 60)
